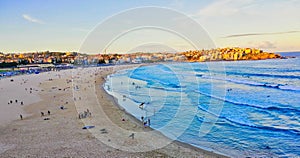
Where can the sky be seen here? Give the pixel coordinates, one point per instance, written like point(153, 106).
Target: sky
point(65, 25)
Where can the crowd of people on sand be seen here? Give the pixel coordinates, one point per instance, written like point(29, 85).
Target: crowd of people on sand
point(146, 121)
point(16, 101)
point(30, 90)
point(42, 113)
point(85, 114)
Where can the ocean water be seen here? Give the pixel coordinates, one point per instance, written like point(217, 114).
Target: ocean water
point(242, 108)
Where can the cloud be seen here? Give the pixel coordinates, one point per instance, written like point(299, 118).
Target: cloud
point(31, 19)
point(224, 7)
point(266, 45)
point(260, 34)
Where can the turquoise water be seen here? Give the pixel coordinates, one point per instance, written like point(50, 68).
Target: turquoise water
point(243, 108)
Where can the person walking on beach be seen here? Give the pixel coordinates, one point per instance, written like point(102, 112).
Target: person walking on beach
point(48, 112)
point(145, 124)
point(142, 118)
point(21, 117)
point(132, 135)
point(42, 114)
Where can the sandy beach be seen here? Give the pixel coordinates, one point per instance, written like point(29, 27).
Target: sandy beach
point(60, 133)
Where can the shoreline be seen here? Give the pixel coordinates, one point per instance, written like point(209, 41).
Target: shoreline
point(176, 142)
point(137, 121)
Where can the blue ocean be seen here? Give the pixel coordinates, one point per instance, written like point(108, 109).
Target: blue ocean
point(238, 108)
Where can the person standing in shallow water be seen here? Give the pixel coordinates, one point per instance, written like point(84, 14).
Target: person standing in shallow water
point(149, 122)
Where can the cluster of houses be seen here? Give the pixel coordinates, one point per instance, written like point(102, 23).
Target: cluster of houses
point(75, 58)
point(38, 57)
point(228, 54)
